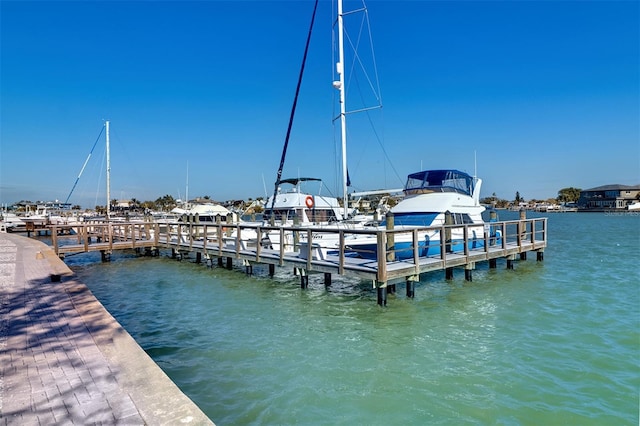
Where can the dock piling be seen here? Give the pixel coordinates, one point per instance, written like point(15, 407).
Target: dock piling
point(382, 296)
point(327, 279)
point(411, 289)
point(448, 274)
point(468, 271)
point(248, 268)
point(304, 278)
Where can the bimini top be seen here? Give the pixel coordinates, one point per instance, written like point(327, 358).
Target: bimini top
point(439, 181)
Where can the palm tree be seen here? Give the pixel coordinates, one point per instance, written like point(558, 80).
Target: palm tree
point(518, 198)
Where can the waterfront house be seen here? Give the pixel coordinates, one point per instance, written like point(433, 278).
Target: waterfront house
point(612, 197)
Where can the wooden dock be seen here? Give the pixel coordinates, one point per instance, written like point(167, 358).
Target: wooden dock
point(223, 241)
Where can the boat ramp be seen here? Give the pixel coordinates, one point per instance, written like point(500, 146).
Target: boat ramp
point(225, 242)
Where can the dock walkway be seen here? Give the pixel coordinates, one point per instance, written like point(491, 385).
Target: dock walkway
point(388, 256)
point(65, 360)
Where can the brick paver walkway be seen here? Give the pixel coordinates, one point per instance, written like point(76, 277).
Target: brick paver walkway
point(65, 360)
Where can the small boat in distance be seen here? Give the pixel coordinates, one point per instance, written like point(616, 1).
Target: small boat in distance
point(634, 206)
point(206, 213)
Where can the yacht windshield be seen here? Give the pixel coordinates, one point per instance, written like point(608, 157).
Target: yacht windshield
point(439, 181)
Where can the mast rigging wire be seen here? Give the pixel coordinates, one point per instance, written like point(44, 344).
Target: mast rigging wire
point(85, 164)
point(293, 110)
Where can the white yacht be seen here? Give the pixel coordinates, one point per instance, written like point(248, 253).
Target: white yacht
point(430, 196)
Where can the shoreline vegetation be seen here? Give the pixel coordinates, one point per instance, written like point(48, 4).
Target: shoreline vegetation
point(566, 201)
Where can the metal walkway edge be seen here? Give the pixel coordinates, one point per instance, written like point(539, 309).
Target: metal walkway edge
point(65, 360)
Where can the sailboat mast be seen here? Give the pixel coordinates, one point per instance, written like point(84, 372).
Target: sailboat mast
point(343, 108)
point(186, 202)
point(106, 125)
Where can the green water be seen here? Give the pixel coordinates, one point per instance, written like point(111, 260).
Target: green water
point(552, 342)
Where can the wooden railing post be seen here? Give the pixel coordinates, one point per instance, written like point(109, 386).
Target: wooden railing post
point(382, 258)
point(448, 221)
point(54, 239)
point(390, 245)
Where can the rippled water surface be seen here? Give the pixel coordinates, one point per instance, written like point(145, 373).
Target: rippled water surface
point(552, 342)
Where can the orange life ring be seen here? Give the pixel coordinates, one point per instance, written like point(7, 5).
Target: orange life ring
point(309, 201)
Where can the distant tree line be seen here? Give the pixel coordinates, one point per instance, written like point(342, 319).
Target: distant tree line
point(167, 203)
point(565, 196)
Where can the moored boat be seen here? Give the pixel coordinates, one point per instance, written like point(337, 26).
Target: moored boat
point(433, 199)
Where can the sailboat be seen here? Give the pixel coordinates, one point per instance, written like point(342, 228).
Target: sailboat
point(105, 128)
point(293, 203)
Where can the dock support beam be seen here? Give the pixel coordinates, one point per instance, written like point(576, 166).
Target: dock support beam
point(468, 272)
point(411, 285)
point(411, 289)
point(272, 270)
point(540, 255)
point(382, 296)
point(510, 260)
point(198, 257)
point(220, 262)
point(248, 267)
point(493, 263)
point(229, 263)
point(448, 274)
point(327, 279)
point(105, 255)
point(304, 278)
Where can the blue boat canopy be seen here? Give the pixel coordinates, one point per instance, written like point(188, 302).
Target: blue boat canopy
point(439, 181)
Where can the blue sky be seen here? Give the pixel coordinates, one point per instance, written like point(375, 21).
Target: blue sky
point(544, 94)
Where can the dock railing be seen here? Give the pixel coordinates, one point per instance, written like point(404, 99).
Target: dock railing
point(389, 253)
